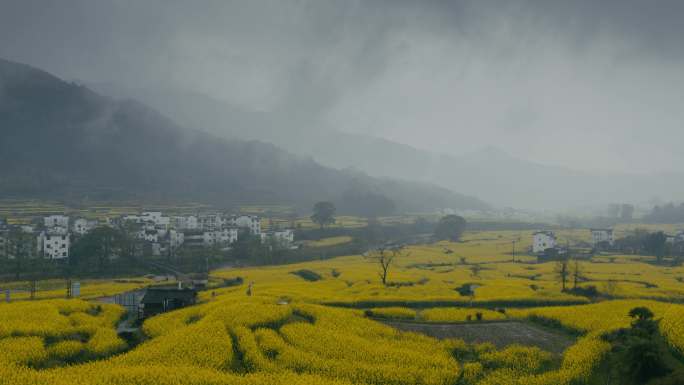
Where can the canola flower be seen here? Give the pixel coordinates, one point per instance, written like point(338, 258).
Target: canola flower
point(597, 318)
point(396, 312)
point(39, 330)
point(462, 314)
point(672, 327)
point(287, 332)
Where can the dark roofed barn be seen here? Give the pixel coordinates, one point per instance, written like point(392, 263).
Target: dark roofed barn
point(160, 300)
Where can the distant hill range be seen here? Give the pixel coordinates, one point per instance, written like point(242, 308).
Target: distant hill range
point(490, 173)
point(63, 140)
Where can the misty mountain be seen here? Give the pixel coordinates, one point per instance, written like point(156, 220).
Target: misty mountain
point(490, 173)
point(62, 140)
point(493, 175)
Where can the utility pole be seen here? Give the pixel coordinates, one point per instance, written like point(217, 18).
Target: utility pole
point(33, 289)
point(513, 252)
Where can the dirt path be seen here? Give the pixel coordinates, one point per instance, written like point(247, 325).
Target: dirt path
point(500, 334)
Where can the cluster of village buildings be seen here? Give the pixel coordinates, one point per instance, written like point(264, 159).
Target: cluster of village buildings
point(162, 234)
point(543, 241)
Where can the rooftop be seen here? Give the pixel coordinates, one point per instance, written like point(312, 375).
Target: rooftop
point(159, 294)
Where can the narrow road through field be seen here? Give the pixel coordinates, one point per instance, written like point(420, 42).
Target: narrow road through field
point(501, 334)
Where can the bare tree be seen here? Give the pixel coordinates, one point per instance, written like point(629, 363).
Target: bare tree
point(610, 287)
point(475, 270)
point(384, 257)
point(577, 272)
point(562, 272)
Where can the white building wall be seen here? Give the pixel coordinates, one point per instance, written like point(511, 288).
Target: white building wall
point(543, 240)
point(82, 226)
point(56, 221)
point(185, 223)
point(176, 239)
point(151, 236)
point(132, 218)
point(602, 235)
point(284, 237)
point(54, 246)
point(155, 217)
point(251, 222)
point(222, 237)
point(210, 222)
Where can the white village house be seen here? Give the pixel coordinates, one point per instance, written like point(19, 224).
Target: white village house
point(210, 222)
point(150, 235)
point(56, 221)
point(82, 226)
point(602, 236)
point(156, 218)
point(224, 236)
point(159, 233)
point(250, 222)
point(281, 237)
point(174, 238)
point(543, 240)
point(189, 222)
point(149, 217)
point(54, 243)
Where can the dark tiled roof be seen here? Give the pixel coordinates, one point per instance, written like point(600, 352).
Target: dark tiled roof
point(158, 295)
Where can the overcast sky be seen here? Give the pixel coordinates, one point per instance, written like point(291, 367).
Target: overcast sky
point(594, 85)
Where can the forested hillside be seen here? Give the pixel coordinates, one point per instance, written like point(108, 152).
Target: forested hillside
point(62, 140)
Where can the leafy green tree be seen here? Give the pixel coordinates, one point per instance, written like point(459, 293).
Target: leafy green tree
point(20, 246)
point(97, 248)
point(641, 313)
point(323, 213)
point(450, 227)
point(655, 244)
point(644, 354)
point(249, 248)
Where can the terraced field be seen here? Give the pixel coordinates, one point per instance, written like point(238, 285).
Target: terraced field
point(335, 328)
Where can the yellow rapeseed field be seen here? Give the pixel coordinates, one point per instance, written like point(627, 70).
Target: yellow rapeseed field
point(328, 331)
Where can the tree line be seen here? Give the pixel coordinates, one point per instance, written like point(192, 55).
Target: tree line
point(668, 213)
point(655, 244)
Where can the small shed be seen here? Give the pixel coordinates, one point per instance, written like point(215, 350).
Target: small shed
point(163, 299)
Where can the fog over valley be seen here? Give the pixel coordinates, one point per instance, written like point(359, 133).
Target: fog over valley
point(341, 192)
point(500, 101)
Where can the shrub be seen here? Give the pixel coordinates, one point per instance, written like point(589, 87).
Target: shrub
point(237, 281)
point(465, 290)
point(307, 275)
point(588, 291)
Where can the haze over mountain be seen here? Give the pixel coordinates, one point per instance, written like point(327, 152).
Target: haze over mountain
point(489, 173)
point(581, 100)
point(62, 140)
